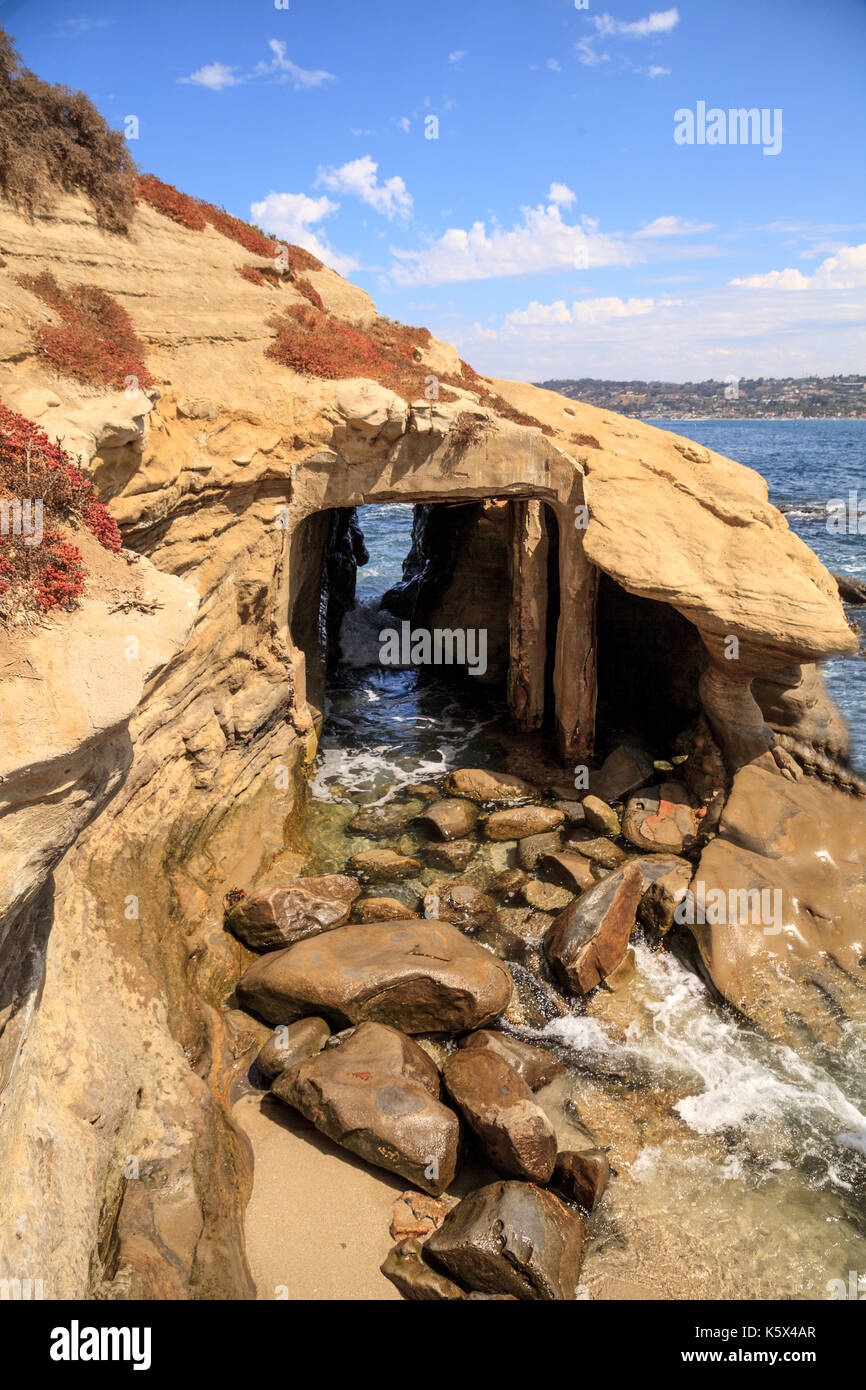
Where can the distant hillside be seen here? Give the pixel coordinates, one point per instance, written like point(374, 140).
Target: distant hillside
point(756, 397)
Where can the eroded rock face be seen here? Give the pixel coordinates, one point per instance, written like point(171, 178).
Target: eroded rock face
point(514, 1132)
point(377, 1094)
point(793, 961)
point(276, 917)
point(512, 1238)
point(420, 976)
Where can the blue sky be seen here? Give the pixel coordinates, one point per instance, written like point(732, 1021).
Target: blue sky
point(555, 227)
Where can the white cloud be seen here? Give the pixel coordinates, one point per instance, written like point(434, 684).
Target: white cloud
point(584, 311)
point(291, 216)
point(655, 71)
point(359, 178)
point(214, 76)
point(287, 71)
point(844, 271)
point(673, 226)
point(587, 54)
point(561, 194)
point(404, 123)
point(659, 22)
point(541, 242)
point(457, 56)
point(554, 65)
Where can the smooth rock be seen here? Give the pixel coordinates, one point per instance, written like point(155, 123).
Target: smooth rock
point(661, 819)
point(378, 1096)
point(382, 822)
point(520, 821)
point(567, 870)
point(530, 850)
point(451, 819)
point(275, 917)
point(546, 897)
point(461, 903)
point(515, 932)
point(515, 1134)
point(408, 1271)
point(506, 885)
point(601, 817)
point(421, 976)
point(384, 866)
point(479, 784)
point(589, 939)
point(665, 891)
point(290, 1044)
point(512, 1238)
point(536, 1066)
point(452, 854)
point(596, 848)
point(582, 1177)
point(381, 910)
point(624, 771)
point(572, 810)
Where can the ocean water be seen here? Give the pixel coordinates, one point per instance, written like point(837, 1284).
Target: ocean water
point(808, 464)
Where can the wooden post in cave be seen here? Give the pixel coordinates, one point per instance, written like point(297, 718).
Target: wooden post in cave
point(527, 617)
point(575, 674)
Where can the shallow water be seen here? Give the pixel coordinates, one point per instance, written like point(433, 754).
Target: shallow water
point(741, 1164)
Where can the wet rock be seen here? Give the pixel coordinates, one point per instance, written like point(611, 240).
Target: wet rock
point(496, 788)
point(515, 932)
point(476, 1297)
point(290, 1044)
point(506, 885)
point(530, 850)
point(589, 939)
point(517, 823)
point(582, 1177)
point(626, 770)
point(275, 917)
point(451, 819)
point(535, 1066)
point(622, 976)
point(669, 879)
point(569, 871)
point(546, 897)
point(453, 854)
point(661, 818)
point(381, 910)
point(416, 1216)
point(447, 900)
point(425, 791)
point(512, 1238)
point(383, 822)
point(851, 589)
point(378, 1096)
point(572, 810)
point(515, 1134)
point(384, 866)
point(596, 848)
point(421, 976)
point(601, 817)
point(408, 1271)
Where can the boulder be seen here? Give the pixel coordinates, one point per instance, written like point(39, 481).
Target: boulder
point(661, 819)
point(546, 897)
point(515, 1134)
point(530, 850)
point(381, 910)
point(669, 879)
point(452, 854)
point(596, 848)
point(495, 788)
point(421, 976)
point(447, 900)
point(512, 1238)
point(416, 1216)
point(624, 771)
point(505, 886)
point(582, 1177)
point(408, 1271)
point(292, 1043)
point(535, 1066)
point(572, 810)
point(384, 866)
point(516, 932)
point(520, 821)
point(383, 822)
point(601, 817)
point(567, 870)
point(589, 939)
point(451, 819)
point(275, 917)
point(378, 1096)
